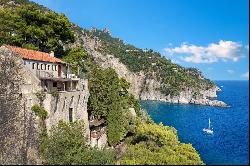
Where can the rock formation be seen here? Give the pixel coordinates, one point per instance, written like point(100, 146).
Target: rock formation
point(142, 87)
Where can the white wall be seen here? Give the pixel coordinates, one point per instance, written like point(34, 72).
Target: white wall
point(51, 68)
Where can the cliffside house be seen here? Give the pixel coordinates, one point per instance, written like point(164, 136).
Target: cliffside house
point(55, 75)
point(44, 72)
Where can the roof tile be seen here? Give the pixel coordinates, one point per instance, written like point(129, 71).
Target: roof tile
point(33, 55)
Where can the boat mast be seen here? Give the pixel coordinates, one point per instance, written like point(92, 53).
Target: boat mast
point(209, 123)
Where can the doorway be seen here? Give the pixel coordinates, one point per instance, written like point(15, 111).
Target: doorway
point(59, 71)
point(70, 114)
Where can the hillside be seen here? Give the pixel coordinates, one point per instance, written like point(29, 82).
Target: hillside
point(152, 76)
point(118, 75)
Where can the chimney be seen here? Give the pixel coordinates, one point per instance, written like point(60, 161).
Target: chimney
point(51, 54)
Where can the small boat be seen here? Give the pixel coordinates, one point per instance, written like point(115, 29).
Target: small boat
point(209, 130)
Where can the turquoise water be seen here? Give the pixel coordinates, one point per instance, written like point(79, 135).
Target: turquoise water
point(230, 142)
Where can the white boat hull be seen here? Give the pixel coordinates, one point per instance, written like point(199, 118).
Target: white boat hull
point(208, 131)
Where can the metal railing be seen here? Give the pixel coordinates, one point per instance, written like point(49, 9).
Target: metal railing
point(44, 74)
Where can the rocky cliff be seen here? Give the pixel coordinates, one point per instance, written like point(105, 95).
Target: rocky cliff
point(144, 85)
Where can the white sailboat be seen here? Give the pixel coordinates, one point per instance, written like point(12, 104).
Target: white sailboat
point(209, 130)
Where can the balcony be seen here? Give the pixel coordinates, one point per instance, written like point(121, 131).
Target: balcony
point(51, 75)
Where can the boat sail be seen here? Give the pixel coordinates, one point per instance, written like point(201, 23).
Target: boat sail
point(208, 130)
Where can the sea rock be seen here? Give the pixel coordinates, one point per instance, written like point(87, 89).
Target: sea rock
point(209, 102)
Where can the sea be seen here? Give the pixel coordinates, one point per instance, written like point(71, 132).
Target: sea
point(229, 144)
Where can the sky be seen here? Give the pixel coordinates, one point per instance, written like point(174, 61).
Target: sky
point(211, 35)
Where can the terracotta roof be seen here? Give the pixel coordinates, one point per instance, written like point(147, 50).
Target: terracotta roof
point(34, 55)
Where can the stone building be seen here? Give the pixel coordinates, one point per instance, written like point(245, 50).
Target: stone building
point(66, 93)
point(98, 132)
point(66, 97)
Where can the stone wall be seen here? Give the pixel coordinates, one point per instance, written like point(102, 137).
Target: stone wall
point(20, 142)
point(58, 107)
point(19, 125)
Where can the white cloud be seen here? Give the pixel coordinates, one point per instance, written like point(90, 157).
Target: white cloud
point(247, 47)
point(246, 75)
point(214, 52)
point(230, 71)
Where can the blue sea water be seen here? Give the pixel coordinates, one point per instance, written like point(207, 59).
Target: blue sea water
point(230, 142)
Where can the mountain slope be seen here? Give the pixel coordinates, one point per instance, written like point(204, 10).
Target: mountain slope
point(152, 76)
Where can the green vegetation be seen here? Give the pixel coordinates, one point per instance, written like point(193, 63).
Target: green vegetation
point(34, 27)
point(41, 96)
point(66, 145)
point(173, 77)
point(39, 111)
point(109, 100)
point(158, 145)
point(77, 57)
point(55, 93)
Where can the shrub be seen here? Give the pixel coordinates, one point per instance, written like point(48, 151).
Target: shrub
point(39, 111)
point(40, 95)
point(158, 145)
point(66, 145)
point(55, 93)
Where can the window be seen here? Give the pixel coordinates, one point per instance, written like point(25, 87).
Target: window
point(70, 114)
point(55, 68)
point(54, 84)
point(24, 62)
point(33, 65)
point(37, 66)
point(52, 66)
point(48, 67)
point(45, 66)
point(64, 103)
point(41, 66)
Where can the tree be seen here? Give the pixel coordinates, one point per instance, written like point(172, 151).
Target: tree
point(158, 145)
point(77, 57)
point(66, 145)
point(33, 27)
point(109, 100)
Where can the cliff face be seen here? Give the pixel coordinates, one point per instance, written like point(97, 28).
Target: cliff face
point(19, 139)
point(142, 86)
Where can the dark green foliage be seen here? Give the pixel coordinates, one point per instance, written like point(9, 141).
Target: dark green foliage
point(55, 93)
point(158, 145)
point(109, 100)
point(33, 27)
point(66, 145)
point(173, 77)
point(133, 102)
point(77, 57)
point(39, 111)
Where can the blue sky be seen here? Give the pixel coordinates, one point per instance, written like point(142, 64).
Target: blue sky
point(211, 35)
